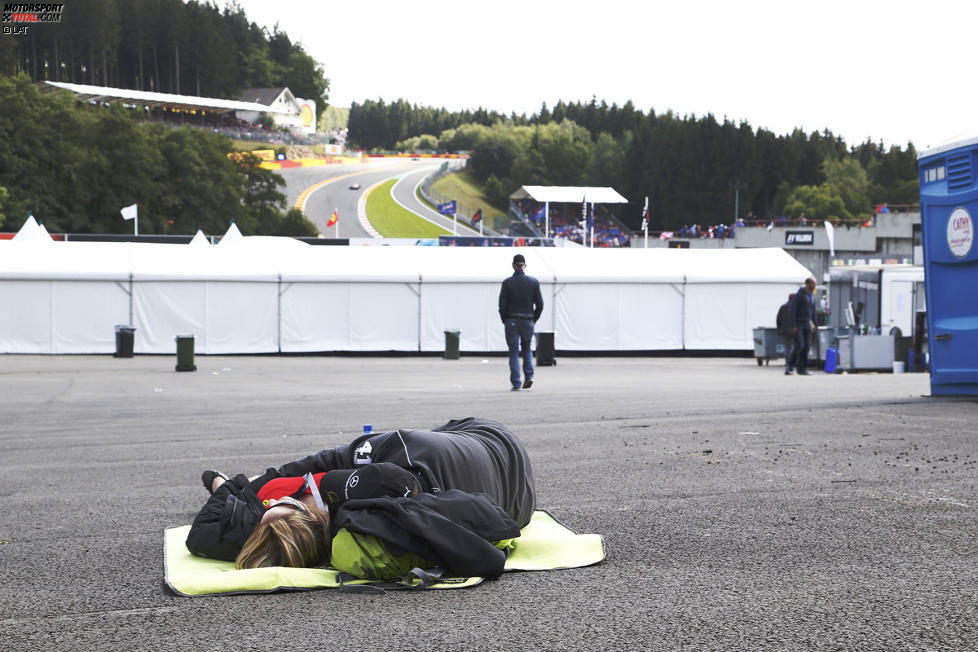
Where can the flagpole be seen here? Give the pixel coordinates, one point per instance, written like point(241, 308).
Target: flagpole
point(546, 219)
point(645, 221)
point(454, 223)
point(135, 225)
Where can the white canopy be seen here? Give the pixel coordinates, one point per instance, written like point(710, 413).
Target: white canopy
point(569, 195)
point(264, 294)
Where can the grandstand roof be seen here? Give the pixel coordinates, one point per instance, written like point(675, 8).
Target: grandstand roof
point(147, 98)
point(569, 194)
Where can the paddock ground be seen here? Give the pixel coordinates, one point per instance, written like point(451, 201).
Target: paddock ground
point(741, 509)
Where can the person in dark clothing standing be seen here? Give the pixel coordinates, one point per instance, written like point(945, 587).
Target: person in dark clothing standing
point(520, 306)
point(784, 325)
point(803, 323)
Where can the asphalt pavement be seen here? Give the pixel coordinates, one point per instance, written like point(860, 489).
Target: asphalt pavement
point(741, 509)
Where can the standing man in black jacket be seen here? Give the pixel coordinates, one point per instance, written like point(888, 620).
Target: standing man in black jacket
point(520, 306)
point(803, 311)
point(785, 324)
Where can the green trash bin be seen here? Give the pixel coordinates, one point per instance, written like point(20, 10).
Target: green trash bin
point(185, 353)
point(451, 345)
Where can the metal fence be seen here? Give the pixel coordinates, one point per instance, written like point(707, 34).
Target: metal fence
point(491, 225)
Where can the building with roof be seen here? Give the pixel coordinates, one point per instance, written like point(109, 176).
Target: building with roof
point(286, 109)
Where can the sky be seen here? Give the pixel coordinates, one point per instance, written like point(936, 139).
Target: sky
point(886, 71)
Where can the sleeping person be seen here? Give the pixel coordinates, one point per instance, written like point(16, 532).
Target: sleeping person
point(452, 497)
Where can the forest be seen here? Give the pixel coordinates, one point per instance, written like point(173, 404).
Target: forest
point(167, 46)
point(75, 166)
point(694, 169)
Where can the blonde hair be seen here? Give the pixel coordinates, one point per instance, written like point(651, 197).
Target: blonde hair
point(300, 539)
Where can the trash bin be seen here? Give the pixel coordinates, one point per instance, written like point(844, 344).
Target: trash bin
point(185, 353)
point(124, 336)
point(451, 345)
point(545, 349)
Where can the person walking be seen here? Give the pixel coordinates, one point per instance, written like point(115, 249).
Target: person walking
point(784, 324)
point(520, 306)
point(803, 324)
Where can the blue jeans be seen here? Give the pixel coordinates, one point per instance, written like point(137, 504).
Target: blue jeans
point(519, 337)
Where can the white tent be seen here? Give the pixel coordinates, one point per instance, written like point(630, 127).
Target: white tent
point(262, 294)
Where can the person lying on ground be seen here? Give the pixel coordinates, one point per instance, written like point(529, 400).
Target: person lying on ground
point(288, 515)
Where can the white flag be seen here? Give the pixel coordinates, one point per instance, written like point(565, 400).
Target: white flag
point(830, 232)
point(129, 212)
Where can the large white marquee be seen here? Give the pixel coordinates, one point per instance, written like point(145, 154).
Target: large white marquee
point(266, 295)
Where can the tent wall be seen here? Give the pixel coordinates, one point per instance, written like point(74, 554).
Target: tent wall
point(349, 316)
point(264, 295)
point(473, 309)
point(57, 316)
point(618, 317)
point(224, 317)
point(722, 316)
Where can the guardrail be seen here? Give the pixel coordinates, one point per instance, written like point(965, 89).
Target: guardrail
point(463, 212)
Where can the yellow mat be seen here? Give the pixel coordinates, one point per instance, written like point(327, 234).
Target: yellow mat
point(544, 544)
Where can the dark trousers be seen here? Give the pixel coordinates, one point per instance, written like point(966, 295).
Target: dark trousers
point(799, 353)
point(519, 338)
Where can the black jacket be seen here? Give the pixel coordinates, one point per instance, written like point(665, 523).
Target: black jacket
point(784, 320)
point(803, 309)
point(520, 297)
point(451, 529)
point(472, 455)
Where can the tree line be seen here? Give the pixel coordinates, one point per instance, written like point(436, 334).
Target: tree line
point(166, 46)
point(74, 166)
point(694, 169)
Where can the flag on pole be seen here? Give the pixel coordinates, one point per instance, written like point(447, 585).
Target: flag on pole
point(830, 234)
point(477, 217)
point(129, 212)
point(333, 219)
point(665, 235)
point(645, 215)
point(448, 208)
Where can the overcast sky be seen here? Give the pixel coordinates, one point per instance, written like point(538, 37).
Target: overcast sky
point(892, 70)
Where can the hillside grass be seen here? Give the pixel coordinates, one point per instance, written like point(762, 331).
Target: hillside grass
point(394, 221)
point(463, 187)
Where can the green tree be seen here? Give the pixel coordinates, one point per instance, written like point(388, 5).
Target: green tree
point(3, 200)
point(847, 179)
point(295, 225)
point(818, 203)
point(262, 201)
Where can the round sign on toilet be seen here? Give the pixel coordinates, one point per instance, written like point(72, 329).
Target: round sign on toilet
point(960, 232)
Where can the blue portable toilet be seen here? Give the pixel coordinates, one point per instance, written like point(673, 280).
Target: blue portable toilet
point(948, 210)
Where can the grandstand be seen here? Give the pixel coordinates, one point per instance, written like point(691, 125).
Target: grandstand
point(559, 212)
point(234, 118)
